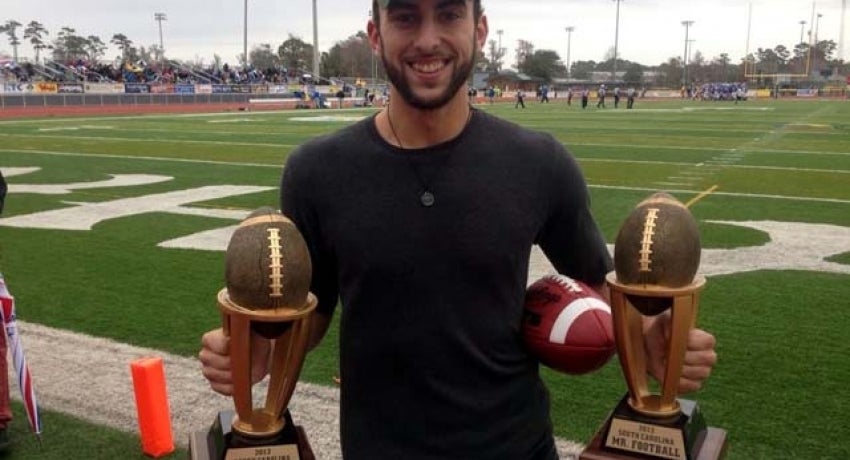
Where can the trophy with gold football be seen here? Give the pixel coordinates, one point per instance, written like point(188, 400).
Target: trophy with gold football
point(267, 272)
point(656, 257)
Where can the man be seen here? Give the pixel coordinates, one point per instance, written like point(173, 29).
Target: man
point(420, 220)
point(630, 97)
point(600, 94)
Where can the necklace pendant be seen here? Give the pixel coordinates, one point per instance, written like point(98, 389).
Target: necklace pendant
point(427, 199)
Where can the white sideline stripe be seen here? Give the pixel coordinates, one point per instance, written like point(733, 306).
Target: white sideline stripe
point(263, 165)
point(733, 194)
point(570, 314)
point(568, 145)
point(140, 157)
point(158, 140)
point(89, 378)
point(163, 116)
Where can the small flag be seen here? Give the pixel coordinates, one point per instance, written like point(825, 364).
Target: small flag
point(7, 312)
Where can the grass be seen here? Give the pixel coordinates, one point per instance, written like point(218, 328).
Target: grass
point(777, 389)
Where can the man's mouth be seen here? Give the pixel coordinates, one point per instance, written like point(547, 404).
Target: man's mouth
point(432, 66)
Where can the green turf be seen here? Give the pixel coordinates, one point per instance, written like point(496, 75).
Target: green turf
point(65, 437)
point(778, 388)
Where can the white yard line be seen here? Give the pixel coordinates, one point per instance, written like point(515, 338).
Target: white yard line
point(89, 378)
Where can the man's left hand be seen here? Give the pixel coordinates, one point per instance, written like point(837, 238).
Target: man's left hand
point(700, 356)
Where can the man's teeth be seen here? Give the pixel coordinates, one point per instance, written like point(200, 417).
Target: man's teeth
point(428, 67)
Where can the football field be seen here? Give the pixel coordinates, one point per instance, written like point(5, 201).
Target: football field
point(113, 234)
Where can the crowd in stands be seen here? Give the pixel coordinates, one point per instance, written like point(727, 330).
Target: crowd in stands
point(144, 72)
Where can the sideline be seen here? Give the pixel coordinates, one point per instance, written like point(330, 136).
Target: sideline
point(89, 378)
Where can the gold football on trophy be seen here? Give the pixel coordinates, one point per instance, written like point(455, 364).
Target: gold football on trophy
point(267, 264)
point(658, 245)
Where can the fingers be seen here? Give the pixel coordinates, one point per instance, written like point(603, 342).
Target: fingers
point(700, 359)
point(215, 361)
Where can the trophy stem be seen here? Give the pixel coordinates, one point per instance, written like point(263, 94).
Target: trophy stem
point(683, 318)
point(628, 331)
point(287, 360)
point(240, 345)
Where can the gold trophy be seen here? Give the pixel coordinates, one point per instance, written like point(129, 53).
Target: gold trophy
point(656, 256)
point(267, 271)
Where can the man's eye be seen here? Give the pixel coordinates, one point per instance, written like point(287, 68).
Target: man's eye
point(449, 16)
point(403, 18)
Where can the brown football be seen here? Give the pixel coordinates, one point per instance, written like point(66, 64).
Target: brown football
point(267, 264)
point(659, 245)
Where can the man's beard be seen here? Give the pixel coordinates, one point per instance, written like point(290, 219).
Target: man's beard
point(400, 83)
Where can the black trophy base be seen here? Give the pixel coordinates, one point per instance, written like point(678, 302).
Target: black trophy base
point(221, 443)
point(628, 434)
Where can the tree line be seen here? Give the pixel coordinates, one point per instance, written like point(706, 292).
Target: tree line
point(353, 57)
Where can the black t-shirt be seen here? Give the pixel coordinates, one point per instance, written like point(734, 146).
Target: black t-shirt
point(432, 363)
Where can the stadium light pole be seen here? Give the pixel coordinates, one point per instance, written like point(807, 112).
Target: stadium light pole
point(159, 17)
point(499, 33)
point(687, 25)
point(616, 41)
point(373, 69)
point(841, 32)
point(802, 27)
point(315, 43)
point(815, 55)
point(569, 30)
point(245, 39)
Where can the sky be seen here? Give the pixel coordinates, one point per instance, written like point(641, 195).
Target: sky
point(648, 31)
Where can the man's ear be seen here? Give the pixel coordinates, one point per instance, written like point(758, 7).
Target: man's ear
point(374, 37)
point(482, 29)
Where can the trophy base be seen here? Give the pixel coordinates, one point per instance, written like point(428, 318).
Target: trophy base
point(221, 443)
point(629, 435)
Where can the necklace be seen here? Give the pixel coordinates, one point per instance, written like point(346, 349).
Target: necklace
point(426, 196)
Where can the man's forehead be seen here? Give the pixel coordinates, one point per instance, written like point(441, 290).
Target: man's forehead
point(389, 3)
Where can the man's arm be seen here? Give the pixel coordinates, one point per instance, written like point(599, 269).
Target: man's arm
point(319, 324)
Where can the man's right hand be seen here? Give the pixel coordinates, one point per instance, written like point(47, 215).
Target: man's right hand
point(215, 360)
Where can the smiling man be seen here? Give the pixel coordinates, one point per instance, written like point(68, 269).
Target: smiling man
point(420, 222)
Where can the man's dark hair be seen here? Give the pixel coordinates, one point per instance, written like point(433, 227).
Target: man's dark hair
point(476, 11)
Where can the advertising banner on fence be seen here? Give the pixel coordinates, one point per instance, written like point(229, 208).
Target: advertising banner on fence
point(104, 88)
point(220, 89)
point(204, 89)
point(162, 88)
point(240, 89)
point(136, 88)
point(70, 88)
point(45, 87)
point(278, 89)
point(807, 92)
point(16, 87)
point(184, 89)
